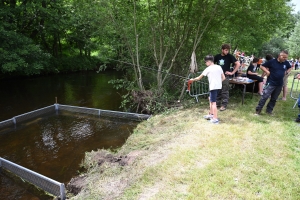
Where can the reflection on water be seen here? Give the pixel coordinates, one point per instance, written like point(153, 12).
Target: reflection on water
point(85, 89)
point(54, 145)
point(10, 191)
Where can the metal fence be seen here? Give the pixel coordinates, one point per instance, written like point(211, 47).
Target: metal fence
point(103, 113)
point(45, 183)
point(198, 88)
point(295, 90)
point(49, 185)
point(26, 116)
point(11, 123)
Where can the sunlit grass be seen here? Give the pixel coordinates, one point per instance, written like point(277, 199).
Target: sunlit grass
point(183, 156)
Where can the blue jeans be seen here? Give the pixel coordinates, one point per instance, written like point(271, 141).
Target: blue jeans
point(274, 92)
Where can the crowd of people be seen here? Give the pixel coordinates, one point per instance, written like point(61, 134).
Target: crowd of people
point(219, 67)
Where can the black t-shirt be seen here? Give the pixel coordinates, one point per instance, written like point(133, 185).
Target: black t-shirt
point(251, 68)
point(225, 61)
point(277, 71)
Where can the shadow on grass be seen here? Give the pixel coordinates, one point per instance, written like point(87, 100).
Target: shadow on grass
point(283, 110)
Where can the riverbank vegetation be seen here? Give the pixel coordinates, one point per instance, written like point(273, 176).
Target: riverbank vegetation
point(151, 41)
point(175, 154)
point(179, 155)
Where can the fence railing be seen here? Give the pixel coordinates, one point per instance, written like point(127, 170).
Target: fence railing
point(198, 88)
point(26, 116)
point(103, 113)
point(11, 123)
point(47, 184)
point(295, 90)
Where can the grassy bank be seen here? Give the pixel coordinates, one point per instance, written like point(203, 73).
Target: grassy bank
point(180, 155)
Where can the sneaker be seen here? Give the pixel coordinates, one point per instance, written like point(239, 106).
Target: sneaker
point(297, 120)
point(222, 108)
point(282, 99)
point(214, 121)
point(270, 113)
point(257, 112)
point(208, 117)
point(260, 93)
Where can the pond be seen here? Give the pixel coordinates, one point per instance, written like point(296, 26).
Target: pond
point(54, 145)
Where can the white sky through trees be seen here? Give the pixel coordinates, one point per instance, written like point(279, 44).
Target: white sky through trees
point(297, 5)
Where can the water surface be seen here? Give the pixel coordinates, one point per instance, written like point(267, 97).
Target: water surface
point(54, 144)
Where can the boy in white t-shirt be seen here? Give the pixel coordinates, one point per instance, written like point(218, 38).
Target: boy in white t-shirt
point(215, 77)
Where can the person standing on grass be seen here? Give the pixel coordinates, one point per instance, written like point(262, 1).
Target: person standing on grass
point(298, 118)
point(252, 74)
point(275, 69)
point(225, 60)
point(268, 57)
point(296, 63)
point(215, 77)
point(285, 82)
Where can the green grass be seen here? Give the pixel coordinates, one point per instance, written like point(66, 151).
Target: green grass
point(183, 156)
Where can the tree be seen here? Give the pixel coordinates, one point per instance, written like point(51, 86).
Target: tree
point(58, 30)
point(18, 53)
point(163, 34)
point(274, 46)
point(294, 42)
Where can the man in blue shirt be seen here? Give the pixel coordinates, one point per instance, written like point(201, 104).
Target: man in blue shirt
point(275, 69)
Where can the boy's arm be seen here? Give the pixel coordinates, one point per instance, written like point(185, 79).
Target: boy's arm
point(197, 78)
point(223, 77)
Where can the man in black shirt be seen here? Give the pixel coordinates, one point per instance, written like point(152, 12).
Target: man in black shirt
point(225, 60)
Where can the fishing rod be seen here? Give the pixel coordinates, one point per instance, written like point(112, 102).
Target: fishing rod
point(186, 79)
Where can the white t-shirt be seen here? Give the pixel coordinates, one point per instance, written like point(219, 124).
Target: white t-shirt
point(214, 74)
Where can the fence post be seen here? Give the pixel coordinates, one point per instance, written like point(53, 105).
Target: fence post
point(62, 192)
point(56, 106)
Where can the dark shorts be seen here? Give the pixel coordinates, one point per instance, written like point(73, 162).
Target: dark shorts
point(255, 77)
point(213, 95)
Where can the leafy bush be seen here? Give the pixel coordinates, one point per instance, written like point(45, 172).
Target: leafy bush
point(18, 54)
point(74, 63)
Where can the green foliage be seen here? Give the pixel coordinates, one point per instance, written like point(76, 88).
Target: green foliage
point(74, 63)
point(274, 47)
point(164, 34)
point(294, 42)
point(48, 36)
point(127, 85)
point(18, 54)
point(61, 36)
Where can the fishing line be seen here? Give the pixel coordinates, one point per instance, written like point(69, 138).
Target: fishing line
point(149, 68)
